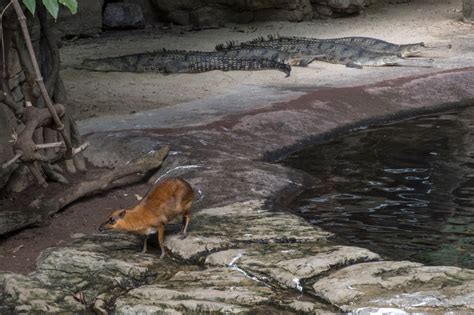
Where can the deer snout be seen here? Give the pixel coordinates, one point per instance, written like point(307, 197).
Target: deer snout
point(103, 227)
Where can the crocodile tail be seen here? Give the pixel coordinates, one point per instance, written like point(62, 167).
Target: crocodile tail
point(220, 47)
point(238, 64)
point(231, 44)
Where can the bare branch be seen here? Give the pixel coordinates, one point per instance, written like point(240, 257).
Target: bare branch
point(50, 145)
point(41, 209)
point(80, 148)
point(13, 160)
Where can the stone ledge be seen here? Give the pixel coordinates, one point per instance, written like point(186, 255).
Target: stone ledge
point(247, 222)
point(404, 285)
point(291, 265)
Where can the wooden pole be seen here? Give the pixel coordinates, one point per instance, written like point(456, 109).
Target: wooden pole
point(468, 10)
point(39, 78)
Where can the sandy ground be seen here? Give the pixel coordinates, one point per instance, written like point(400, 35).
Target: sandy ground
point(125, 94)
point(92, 94)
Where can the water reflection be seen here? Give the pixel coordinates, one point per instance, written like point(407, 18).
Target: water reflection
point(404, 190)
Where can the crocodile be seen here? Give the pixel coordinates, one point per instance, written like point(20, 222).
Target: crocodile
point(181, 61)
point(328, 51)
point(372, 44)
point(367, 43)
point(294, 59)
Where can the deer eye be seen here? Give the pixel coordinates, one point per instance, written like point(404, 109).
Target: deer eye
point(112, 220)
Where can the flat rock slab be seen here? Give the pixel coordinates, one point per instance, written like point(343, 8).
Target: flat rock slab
point(214, 290)
point(243, 222)
point(25, 295)
point(290, 265)
point(402, 285)
point(69, 279)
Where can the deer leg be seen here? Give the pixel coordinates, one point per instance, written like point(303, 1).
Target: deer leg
point(145, 244)
point(161, 238)
point(186, 219)
point(183, 224)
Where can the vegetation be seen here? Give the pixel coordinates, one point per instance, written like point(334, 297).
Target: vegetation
point(52, 6)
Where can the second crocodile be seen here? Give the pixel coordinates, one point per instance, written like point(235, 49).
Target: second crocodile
point(328, 51)
point(180, 61)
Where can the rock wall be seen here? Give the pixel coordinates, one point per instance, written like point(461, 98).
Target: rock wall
point(94, 16)
point(87, 20)
point(214, 12)
point(338, 8)
point(202, 13)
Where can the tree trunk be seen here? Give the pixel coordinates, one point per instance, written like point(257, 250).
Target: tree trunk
point(468, 10)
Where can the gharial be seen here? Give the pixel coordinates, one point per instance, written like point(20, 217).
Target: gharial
point(351, 51)
point(181, 61)
point(368, 43)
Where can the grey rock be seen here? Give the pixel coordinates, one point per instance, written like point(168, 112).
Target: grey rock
point(219, 290)
point(246, 222)
point(246, 180)
point(206, 17)
point(180, 17)
point(404, 285)
point(291, 265)
point(324, 10)
point(91, 265)
point(339, 4)
point(25, 294)
point(210, 13)
point(339, 8)
point(87, 20)
point(123, 15)
point(147, 9)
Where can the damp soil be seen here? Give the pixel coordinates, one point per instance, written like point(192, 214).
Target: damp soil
point(404, 190)
point(19, 250)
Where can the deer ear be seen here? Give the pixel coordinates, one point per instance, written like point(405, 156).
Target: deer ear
point(122, 214)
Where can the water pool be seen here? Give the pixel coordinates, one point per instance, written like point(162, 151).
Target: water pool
point(404, 190)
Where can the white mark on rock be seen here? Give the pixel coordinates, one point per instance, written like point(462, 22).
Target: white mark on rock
point(232, 262)
point(181, 167)
point(201, 195)
point(233, 266)
point(297, 283)
point(377, 311)
point(292, 182)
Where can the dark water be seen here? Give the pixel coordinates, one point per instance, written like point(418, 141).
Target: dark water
point(404, 190)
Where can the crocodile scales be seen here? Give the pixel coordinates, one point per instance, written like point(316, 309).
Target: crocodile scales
point(181, 61)
point(368, 43)
point(335, 52)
